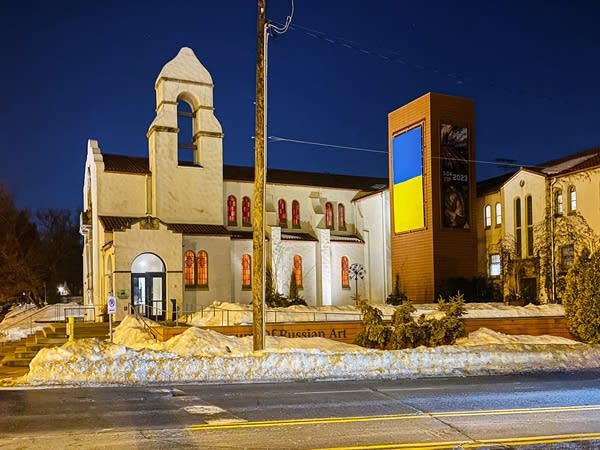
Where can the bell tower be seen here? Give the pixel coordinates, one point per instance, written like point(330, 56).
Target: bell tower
point(185, 144)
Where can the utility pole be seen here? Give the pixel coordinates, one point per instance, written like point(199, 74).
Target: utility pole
point(258, 210)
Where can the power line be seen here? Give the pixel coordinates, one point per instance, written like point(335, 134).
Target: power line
point(395, 57)
point(322, 144)
point(385, 152)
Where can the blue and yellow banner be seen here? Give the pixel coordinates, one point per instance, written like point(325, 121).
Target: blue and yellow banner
point(407, 175)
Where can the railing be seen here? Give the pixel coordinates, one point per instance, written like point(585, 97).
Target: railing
point(140, 318)
point(227, 317)
point(81, 313)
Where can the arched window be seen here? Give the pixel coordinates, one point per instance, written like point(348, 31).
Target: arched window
point(282, 213)
point(296, 214)
point(329, 215)
point(498, 214)
point(518, 237)
point(487, 213)
point(246, 215)
point(559, 202)
point(341, 216)
point(188, 269)
point(231, 210)
point(246, 271)
point(186, 147)
point(298, 270)
point(529, 218)
point(345, 277)
point(202, 268)
point(572, 199)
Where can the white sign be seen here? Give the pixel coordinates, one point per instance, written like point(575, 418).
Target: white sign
point(112, 305)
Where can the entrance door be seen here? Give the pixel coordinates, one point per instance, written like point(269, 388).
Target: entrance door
point(148, 286)
point(529, 290)
point(149, 294)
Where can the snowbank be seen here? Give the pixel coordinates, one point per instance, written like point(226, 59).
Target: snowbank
point(206, 356)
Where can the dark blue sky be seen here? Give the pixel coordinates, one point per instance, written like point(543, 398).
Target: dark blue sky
point(78, 70)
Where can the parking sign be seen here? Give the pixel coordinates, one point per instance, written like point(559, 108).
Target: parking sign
point(112, 305)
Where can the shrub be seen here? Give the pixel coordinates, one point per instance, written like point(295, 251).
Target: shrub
point(406, 332)
point(375, 333)
point(396, 297)
point(581, 298)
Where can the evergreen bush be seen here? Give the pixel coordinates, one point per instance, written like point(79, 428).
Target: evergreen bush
point(581, 298)
point(396, 297)
point(406, 332)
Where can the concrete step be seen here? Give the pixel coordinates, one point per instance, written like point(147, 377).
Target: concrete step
point(12, 361)
point(25, 354)
point(57, 340)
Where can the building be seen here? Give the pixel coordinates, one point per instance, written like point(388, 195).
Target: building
point(173, 231)
point(532, 223)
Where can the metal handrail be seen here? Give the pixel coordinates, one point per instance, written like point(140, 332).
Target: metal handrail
point(145, 326)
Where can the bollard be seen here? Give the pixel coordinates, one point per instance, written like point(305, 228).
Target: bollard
point(71, 328)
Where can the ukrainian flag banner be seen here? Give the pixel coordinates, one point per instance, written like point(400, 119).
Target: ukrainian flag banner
point(407, 174)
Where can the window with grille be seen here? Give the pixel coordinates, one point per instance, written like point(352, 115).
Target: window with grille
point(298, 270)
point(202, 265)
point(487, 213)
point(572, 199)
point(518, 238)
point(231, 210)
point(246, 213)
point(329, 215)
point(246, 271)
point(341, 217)
point(296, 214)
point(345, 274)
point(282, 213)
point(529, 207)
point(495, 267)
point(498, 214)
point(189, 268)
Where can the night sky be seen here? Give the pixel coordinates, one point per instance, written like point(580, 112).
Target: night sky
point(72, 71)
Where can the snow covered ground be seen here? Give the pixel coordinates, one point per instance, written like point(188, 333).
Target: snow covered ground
point(200, 355)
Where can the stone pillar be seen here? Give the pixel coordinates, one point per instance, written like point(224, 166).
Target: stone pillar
point(324, 267)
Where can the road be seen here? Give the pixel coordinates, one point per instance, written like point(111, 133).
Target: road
point(536, 411)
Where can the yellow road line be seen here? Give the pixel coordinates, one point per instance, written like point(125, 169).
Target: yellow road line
point(353, 419)
point(530, 440)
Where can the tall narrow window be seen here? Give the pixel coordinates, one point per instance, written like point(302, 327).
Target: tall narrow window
point(559, 202)
point(231, 210)
point(529, 207)
point(487, 216)
point(246, 271)
point(298, 270)
point(202, 268)
point(498, 214)
point(188, 268)
point(282, 213)
point(518, 241)
point(329, 215)
point(572, 199)
point(186, 147)
point(246, 214)
point(495, 267)
point(296, 214)
point(345, 277)
point(567, 256)
point(341, 216)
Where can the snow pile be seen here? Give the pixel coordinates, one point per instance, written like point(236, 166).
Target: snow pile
point(223, 313)
point(206, 356)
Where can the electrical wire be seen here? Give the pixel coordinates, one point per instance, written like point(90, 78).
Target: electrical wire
point(385, 152)
point(280, 29)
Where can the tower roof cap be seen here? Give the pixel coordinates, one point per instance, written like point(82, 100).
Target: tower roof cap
point(185, 67)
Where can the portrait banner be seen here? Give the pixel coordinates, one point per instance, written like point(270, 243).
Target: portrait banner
point(454, 162)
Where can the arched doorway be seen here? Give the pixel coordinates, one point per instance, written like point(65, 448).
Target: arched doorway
point(148, 286)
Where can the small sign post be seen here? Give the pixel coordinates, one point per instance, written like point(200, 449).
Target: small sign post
point(111, 309)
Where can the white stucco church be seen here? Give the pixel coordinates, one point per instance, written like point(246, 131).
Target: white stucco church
point(173, 230)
